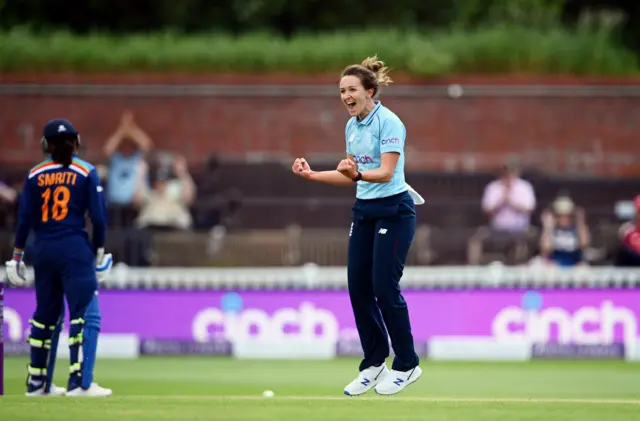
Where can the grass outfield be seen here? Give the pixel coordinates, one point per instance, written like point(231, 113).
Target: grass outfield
point(225, 389)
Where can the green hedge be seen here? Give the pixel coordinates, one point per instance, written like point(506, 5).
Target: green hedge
point(492, 50)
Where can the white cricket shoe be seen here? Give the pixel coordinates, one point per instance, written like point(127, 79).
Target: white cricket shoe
point(366, 380)
point(94, 391)
point(54, 391)
point(396, 381)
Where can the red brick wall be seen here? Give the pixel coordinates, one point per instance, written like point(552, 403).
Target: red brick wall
point(197, 126)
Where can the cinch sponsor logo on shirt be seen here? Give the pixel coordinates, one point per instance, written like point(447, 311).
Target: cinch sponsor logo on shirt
point(390, 140)
point(363, 159)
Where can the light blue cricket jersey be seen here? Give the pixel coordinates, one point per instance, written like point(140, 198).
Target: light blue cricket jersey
point(381, 131)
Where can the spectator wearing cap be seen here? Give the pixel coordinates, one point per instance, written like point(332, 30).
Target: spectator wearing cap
point(166, 205)
point(565, 234)
point(508, 203)
point(628, 253)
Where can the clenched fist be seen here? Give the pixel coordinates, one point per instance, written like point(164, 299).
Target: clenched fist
point(301, 168)
point(348, 168)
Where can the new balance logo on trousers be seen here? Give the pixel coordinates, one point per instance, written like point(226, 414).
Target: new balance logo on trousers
point(381, 231)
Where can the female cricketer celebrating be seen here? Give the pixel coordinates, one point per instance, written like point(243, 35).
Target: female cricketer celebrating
point(382, 229)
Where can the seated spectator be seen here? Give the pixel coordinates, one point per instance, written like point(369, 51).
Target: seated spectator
point(215, 206)
point(508, 203)
point(565, 234)
point(125, 150)
point(8, 194)
point(8, 212)
point(166, 205)
point(8, 203)
point(234, 203)
point(628, 253)
point(209, 180)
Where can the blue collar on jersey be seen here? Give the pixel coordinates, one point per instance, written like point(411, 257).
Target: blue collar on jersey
point(372, 114)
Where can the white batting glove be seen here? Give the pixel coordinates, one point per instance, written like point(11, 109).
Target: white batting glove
point(103, 264)
point(16, 272)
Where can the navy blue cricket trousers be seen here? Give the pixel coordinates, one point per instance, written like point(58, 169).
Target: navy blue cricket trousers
point(381, 234)
point(63, 268)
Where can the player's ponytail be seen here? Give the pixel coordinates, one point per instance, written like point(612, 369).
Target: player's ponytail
point(62, 149)
point(379, 69)
point(372, 72)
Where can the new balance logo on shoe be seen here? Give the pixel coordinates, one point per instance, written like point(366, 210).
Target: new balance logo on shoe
point(366, 380)
point(397, 381)
point(382, 231)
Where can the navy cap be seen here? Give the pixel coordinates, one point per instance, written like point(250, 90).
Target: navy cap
point(59, 127)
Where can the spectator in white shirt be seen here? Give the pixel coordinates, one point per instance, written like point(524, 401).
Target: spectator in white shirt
point(508, 203)
point(7, 193)
point(8, 205)
point(166, 206)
